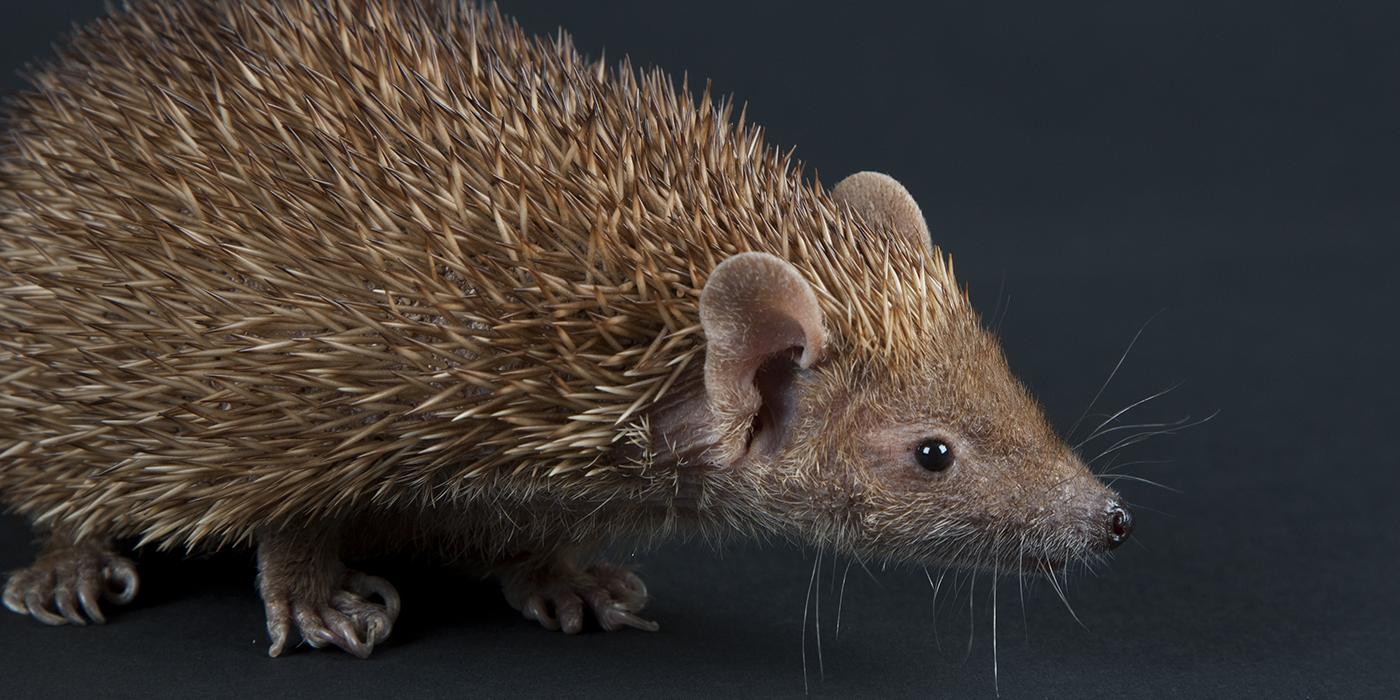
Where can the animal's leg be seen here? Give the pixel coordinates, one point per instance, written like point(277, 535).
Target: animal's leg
point(64, 585)
point(556, 591)
point(304, 583)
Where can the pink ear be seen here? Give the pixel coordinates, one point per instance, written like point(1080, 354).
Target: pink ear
point(880, 199)
point(755, 307)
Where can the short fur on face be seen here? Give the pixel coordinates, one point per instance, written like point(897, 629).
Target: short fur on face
point(831, 436)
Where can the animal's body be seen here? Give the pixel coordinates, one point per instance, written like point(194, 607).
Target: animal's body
point(375, 275)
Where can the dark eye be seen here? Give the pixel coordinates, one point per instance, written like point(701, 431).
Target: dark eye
point(934, 455)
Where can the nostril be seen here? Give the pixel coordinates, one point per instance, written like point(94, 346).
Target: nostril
point(1120, 525)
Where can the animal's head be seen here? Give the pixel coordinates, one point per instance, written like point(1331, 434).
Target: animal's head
point(933, 453)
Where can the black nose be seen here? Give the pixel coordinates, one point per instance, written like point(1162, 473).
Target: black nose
point(1120, 525)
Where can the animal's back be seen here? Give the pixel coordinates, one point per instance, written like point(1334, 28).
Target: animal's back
point(260, 258)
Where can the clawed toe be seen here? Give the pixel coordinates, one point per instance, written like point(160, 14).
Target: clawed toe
point(64, 586)
point(558, 600)
point(624, 585)
point(612, 617)
point(348, 620)
point(557, 610)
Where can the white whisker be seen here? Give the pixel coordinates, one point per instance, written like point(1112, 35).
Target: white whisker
point(1113, 478)
point(1142, 437)
point(1131, 426)
point(1135, 426)
point(1139, 506)
point(1130, 407)
point(841, 599)
point(942, 572)
point(1114, 373)
point(971, 617)
point(869, 573)
point(1021, 585)
point(996, 671)
point(1108, 470)
point(805, 606)
point(1055, 583)
point(821, 664)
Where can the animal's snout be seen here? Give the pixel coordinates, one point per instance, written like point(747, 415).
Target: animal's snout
point(1119, 524)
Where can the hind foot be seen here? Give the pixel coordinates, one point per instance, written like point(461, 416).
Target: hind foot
point(303, 584)
point(556, 596)
point(65, 584)
point(346, 618)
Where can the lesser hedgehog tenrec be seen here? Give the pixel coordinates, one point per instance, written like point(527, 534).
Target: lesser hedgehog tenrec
point(359, 276)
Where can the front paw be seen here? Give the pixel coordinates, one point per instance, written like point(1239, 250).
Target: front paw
point(556, 597)
point(346, 618)
point(65, 585)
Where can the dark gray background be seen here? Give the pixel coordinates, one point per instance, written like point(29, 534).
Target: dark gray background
point(1232, 163)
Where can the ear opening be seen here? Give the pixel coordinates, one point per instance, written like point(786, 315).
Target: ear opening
point(775, 382)
point(762, 325)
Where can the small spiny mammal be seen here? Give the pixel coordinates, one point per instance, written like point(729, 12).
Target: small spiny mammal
point(348, 277)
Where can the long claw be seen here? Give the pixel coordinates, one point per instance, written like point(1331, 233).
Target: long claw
point(14, 595)
point(278, 625)
point(374, 620)
point(535, 610)
point(313, 629)
point(620, 581)
point(376, 631)
point(89, 589)
point(124, 573)
point(613, 618)
point(38, 607)
point(346, 636)
point(636, 585)
point(570, 610)
point(66, 601)
point(367, 585)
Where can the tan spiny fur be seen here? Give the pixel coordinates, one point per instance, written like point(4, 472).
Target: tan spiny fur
point(266, 260)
